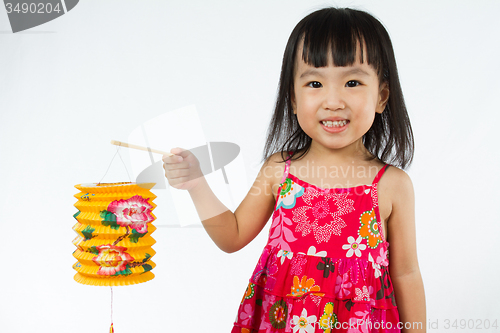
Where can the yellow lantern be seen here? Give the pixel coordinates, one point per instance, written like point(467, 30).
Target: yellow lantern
point(114, 234)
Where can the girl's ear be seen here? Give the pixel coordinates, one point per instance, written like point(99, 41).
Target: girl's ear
point(383, 97)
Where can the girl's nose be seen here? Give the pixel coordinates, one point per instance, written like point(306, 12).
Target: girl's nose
point(333, 100)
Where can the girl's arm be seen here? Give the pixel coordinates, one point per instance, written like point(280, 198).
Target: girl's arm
point(403, 263)
point(230, 231)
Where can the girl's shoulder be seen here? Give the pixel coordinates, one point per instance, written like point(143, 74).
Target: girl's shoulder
point(395, 180)
point(395, 192)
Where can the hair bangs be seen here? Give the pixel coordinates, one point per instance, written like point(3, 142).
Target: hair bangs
point(337, 36)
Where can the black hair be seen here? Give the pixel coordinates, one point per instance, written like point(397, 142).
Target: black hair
point(337, 32)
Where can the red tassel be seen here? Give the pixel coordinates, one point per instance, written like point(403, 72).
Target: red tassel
point(111, 329)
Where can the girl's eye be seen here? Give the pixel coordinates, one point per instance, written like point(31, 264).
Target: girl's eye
point(315, 84)
point(352, 83)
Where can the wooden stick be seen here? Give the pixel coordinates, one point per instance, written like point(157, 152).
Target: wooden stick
point(128, 145)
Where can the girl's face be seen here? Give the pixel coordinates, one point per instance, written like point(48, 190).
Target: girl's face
point(336, 106)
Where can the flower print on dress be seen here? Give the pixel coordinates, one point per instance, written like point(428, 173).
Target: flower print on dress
point(279, 232)
point(375, 266)
point(382, 259)
point(289, 322)
point(314, 298)
point(328, 320)
point(266, 269)
point(312, 252)
point(342, 285)
point(265, 325)
point(354, 246)
point(326, 265)
point(304, 286)
point(304, 323)
point(289, 193)
point(358, 270)
point(134, 212)
point(322, 213)
point(278, 314)
point(362, 294)
point(385, 286)
point(249, 292)
point(355, 268)
point(361, 323)
point(284, 254)
point(298, 263)
point(261, 267)
point(272, 269)
point(246, 315)
point(369, 229)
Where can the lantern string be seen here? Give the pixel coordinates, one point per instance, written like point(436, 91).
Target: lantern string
point(111, 329)
point(124, 165)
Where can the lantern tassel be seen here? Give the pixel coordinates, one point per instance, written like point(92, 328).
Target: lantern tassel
point(111, 329)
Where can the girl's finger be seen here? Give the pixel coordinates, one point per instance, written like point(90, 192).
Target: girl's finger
point(184, 153)
point(174, 174)
point(177, 166)
point(172, 159)
point(177, 150)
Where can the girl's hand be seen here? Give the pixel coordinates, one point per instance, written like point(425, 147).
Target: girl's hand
point(182, 170)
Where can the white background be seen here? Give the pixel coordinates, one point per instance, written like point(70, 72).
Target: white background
point(70, 86)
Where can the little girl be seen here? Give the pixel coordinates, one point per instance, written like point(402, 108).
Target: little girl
point(335, 203)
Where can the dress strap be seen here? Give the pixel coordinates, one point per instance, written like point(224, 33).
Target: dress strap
point(374, 195)
point(379, 175)
point(287, 167)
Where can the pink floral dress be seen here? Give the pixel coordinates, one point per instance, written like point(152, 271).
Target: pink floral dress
point(325, 265)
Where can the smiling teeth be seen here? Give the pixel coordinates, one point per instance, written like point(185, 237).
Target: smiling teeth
point(334, 123)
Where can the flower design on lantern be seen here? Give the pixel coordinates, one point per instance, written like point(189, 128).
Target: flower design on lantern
point(114, 234)
point(134, 212)
point(113, 260)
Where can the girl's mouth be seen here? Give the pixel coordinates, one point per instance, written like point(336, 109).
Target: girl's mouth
point(336, 123)
point(334, 126)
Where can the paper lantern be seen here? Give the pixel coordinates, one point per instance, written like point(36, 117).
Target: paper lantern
point(114, 234)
